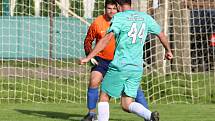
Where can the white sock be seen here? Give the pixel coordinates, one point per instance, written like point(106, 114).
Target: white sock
point(140, 110)
point(103, 111)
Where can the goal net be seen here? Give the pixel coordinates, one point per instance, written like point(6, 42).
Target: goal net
point(42, 40)
point(189, 77)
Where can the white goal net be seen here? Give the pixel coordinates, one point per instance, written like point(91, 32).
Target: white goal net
point(42, 40)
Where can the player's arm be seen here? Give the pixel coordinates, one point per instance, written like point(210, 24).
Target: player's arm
point(163, 39)
point(99, 47)
point(91, 35)
point(154, 28)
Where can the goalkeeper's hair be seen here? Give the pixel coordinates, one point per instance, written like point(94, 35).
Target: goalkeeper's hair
point(122, 2)
point(112, 2)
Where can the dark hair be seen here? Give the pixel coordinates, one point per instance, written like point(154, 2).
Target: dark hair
point(122, 2)
point(112, 2)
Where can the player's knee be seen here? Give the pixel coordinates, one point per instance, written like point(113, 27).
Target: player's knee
point(95, 80)
point(94, 83)
point(104, 98)
point(125, 102)
point(125, 108)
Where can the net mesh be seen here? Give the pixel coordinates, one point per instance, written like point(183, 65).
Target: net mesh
point(42, 40)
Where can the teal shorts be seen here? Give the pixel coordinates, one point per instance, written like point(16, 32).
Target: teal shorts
point(116, 83)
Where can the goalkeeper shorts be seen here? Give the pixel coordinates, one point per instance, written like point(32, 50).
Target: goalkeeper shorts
point(116, 83)
point(102, 66)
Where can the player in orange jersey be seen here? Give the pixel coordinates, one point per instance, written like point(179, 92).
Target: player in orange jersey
point(96, 31)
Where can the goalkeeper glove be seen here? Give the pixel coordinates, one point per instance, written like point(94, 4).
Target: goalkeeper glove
point(94, 61)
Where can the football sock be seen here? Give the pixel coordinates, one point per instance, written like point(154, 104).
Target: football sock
point(103, 111)
point(92, 98)
point(140, 110)
point(92, 113)
point(140, 98)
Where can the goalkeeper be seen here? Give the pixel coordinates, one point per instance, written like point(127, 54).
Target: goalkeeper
point(123, 77)
point(96, 31)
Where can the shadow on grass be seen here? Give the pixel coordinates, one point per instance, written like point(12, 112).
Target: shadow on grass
point(54, 115)
point(114, 119)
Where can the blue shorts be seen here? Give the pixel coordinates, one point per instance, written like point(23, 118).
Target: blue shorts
point(102, 67)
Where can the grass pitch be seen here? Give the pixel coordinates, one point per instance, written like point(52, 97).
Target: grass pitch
point(74, 112)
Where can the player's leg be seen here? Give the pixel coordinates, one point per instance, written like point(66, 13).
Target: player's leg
point(129, 105)
point(111, 86)
point(130, 93)
point(97, 74)
point(112, 83)
point(103, 107)
point(92, 95)
point(140, 98)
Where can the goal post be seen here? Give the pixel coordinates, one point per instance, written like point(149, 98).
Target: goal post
point(73, 13)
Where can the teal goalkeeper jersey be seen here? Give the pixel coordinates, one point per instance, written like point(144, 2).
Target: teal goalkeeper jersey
point(130, 29)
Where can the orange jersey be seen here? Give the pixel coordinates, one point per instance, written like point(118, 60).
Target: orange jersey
point(97, 31)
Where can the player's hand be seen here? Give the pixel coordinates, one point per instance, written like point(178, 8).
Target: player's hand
point(83, 61)
point(169, 55)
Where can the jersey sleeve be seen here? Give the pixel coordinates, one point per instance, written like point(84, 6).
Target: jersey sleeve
point(153, 26)
point(115, 25)
point(91, 35)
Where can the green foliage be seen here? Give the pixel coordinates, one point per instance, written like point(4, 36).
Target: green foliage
point(1, 8)
point(57, 11)
point(99, 8)
point(45, 8)
point(24, 8)
point(77, 7)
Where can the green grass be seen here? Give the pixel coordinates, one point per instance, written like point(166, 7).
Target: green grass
point(54, 90)
point(74, 112)
point(160, 90)
point(43, 63)
point(180, 87)
point(18, 96)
